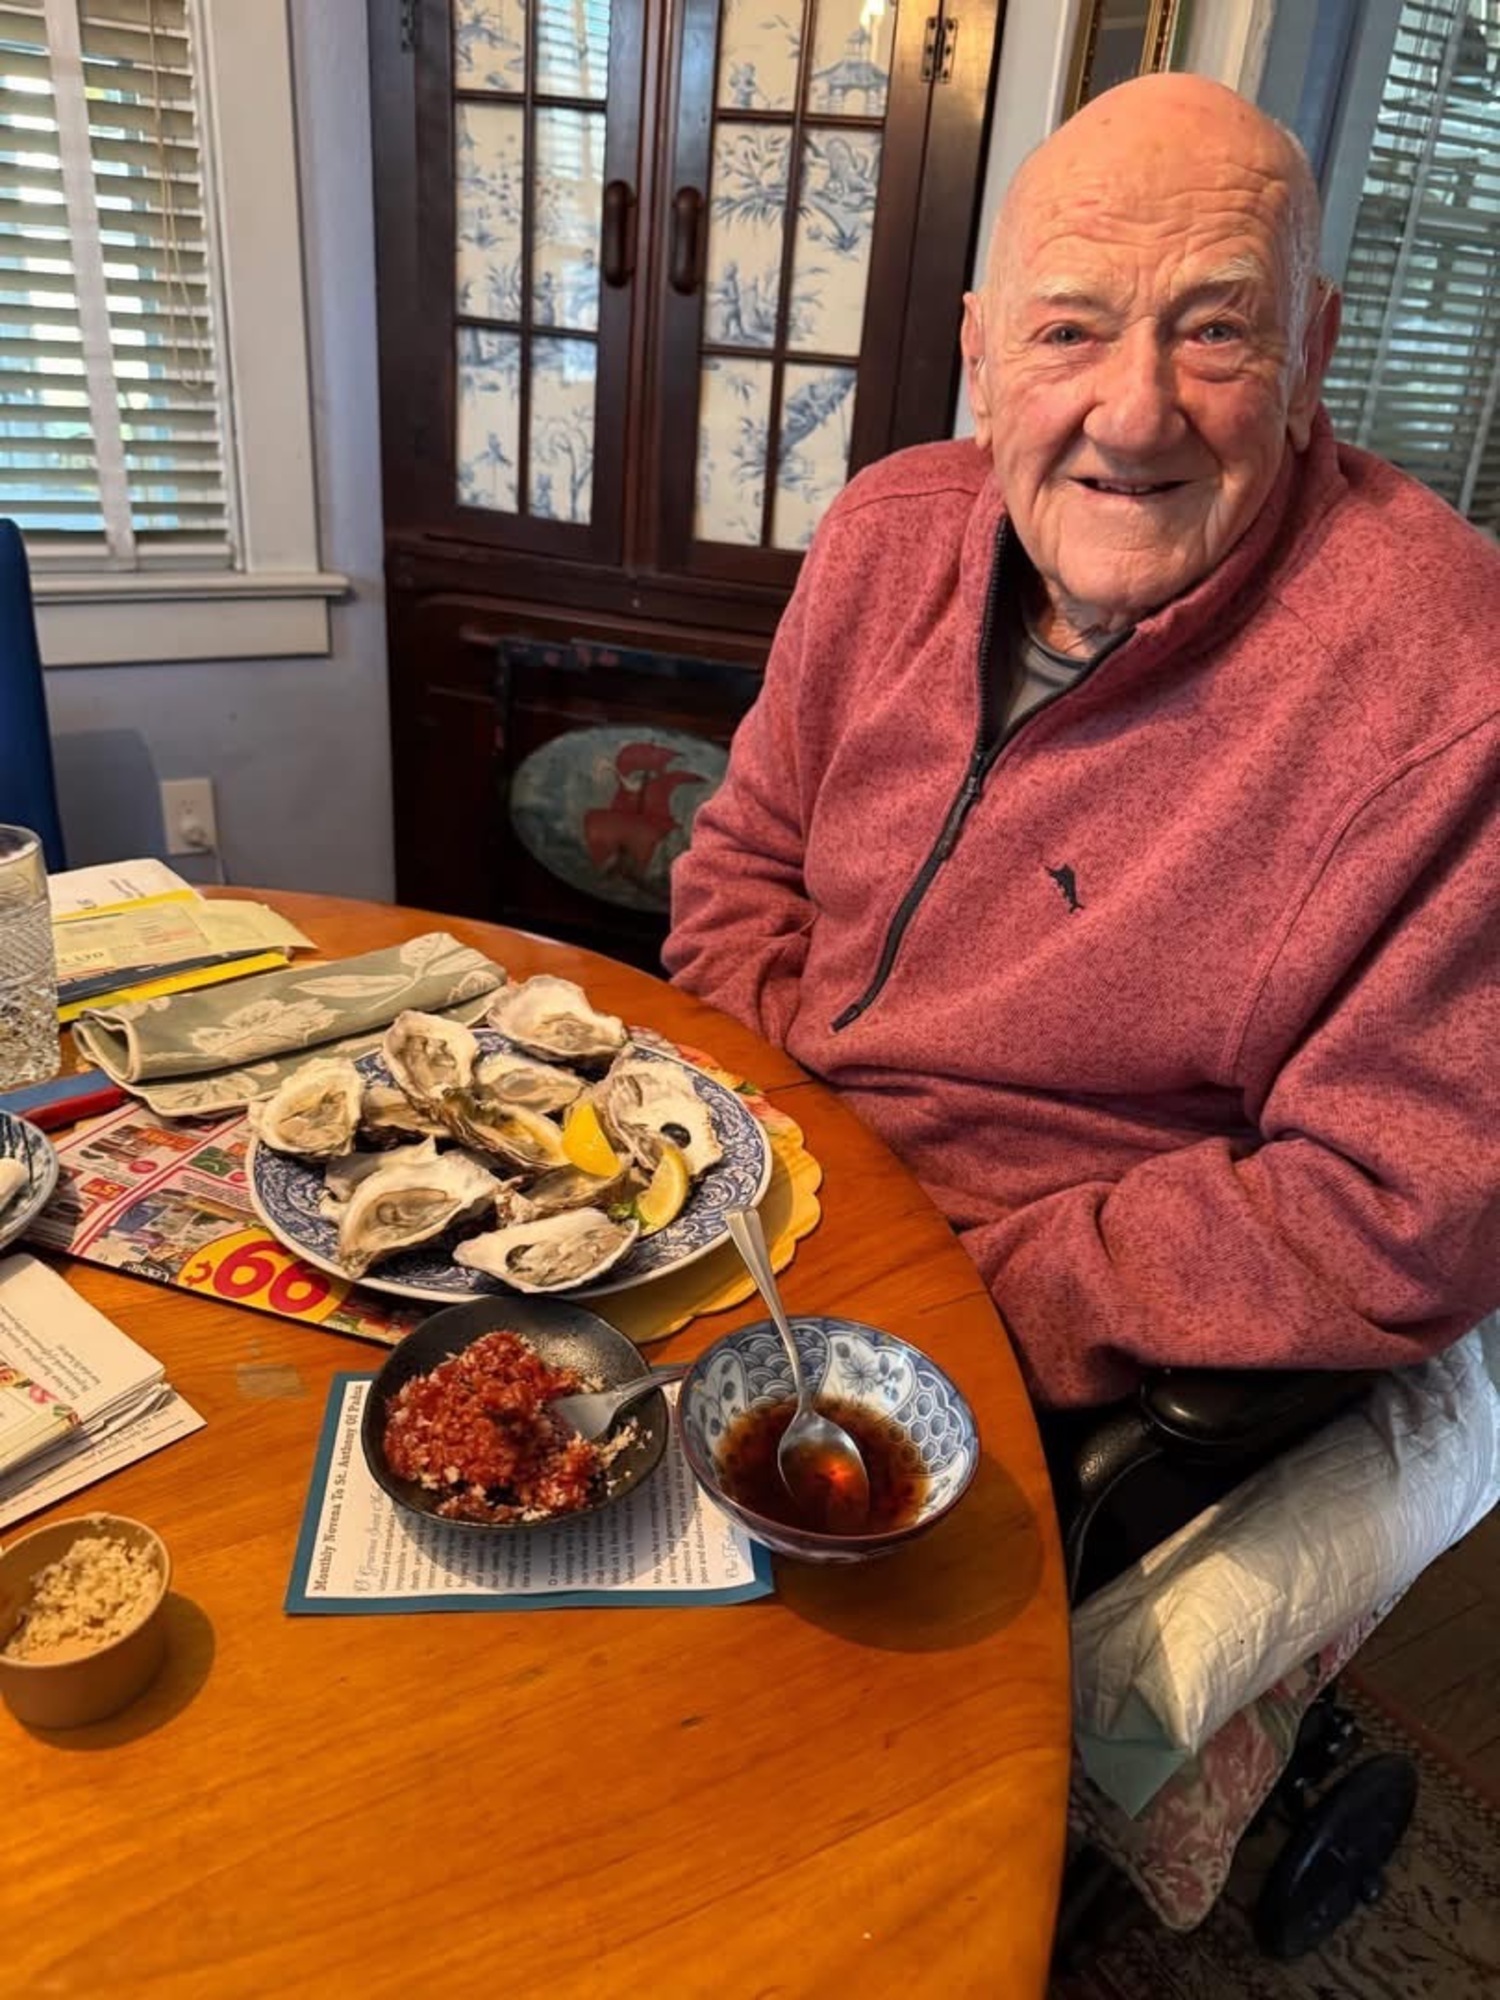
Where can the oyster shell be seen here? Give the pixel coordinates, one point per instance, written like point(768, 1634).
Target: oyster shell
point(342, 1176)
point(537, 1086)
point(552, 1017)
point(387, 1112)
point(313, 1113)
point(551, 1253)
point(403, 1205)
point(520, 1137)
point(429, 1056)
point(562, 1188)
point(641, 1103)
point(512, 1204)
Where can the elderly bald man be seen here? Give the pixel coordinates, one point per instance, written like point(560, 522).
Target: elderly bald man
point(1117, 827)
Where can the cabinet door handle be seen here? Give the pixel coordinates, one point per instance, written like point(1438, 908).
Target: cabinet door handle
point(617, 238)
point(687, 221)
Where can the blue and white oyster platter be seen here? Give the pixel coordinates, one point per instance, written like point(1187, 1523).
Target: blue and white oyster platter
point(288, 1195)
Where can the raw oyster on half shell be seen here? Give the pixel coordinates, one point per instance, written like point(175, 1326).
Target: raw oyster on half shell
point(388, 1113)
point(343, 1176)
point(562, 1188)
point(641, 1103)
point(313, 1113)
point(429, 1056)
point(553, 1017)
point(553, 1252)
point(401, 1206)
point(520, 1137)
point(536, 1086)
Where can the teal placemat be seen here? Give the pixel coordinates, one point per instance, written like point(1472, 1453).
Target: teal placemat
point(357, 1551)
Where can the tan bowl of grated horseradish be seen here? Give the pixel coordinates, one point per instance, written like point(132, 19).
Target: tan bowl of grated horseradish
point(81, 1625)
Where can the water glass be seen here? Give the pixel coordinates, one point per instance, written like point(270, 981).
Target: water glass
point(29, 1047)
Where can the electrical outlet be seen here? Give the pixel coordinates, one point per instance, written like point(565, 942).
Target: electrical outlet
point(187, 812)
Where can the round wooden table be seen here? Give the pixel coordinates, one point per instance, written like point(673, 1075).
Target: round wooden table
point(857, 1784)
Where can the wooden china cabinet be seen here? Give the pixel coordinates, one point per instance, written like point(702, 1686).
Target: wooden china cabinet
point(655, 276)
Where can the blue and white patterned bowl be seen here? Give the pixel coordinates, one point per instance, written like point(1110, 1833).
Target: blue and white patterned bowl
point(843, 1359)
point(23, 1141)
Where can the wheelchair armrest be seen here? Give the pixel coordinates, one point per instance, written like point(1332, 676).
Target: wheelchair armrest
point(1215, 1416)
point(1220, 1421)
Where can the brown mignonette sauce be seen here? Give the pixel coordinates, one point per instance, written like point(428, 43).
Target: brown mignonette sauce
point(747, 1465)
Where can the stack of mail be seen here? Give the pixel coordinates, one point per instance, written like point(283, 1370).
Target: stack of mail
point(135, 931)
point(78, 1398)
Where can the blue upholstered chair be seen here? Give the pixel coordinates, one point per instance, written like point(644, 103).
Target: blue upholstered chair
point(28, 791)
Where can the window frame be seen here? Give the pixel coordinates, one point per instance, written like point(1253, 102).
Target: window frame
point(274, 604)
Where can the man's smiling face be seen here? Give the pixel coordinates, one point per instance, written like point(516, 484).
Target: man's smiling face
point(1144, 353)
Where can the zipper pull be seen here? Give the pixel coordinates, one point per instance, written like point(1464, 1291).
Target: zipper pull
point(973, 785)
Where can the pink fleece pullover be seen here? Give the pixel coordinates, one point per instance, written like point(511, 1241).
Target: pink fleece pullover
point(1193, 1033)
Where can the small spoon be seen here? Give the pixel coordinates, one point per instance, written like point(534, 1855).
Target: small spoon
point(592, 1413)
point(819, 1462)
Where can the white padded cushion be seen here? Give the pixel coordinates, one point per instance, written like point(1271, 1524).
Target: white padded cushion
point(1335, 1527)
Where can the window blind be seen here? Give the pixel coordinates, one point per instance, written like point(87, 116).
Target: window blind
point(1416, 376)
point(112, 440)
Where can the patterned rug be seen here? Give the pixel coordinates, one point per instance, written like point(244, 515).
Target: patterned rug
point(1435, 1935)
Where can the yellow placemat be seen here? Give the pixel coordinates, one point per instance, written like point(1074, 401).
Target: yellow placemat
point(789, 1212)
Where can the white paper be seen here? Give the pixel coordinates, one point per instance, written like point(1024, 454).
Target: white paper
point(665, 1541)
point(111, 882)
point(94, 1459)
point(72, 1441)
point(52, 1336)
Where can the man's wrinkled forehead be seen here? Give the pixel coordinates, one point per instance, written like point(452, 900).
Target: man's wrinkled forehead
point(1053, 215)
point(1059, 250)
point(1163, 169)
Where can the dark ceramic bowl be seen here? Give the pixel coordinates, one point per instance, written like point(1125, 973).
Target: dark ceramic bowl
point(564, 1335)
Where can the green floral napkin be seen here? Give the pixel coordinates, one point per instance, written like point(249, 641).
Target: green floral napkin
point(191, 1055)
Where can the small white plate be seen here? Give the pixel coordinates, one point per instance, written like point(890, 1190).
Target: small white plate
point(23, 1141)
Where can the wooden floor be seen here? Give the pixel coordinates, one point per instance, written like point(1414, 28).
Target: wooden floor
point(1438, 1654)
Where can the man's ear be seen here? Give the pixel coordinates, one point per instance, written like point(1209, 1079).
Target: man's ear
point(1317, 351)
point(971, 344)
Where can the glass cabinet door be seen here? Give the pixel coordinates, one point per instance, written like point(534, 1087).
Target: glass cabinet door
point(785, 235)
point(542, 111)
point(658, 275)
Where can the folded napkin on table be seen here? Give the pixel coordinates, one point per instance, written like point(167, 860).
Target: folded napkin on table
point(193, 1055)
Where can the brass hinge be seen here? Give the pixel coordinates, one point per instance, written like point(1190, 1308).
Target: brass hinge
point(411, 26)
point(938, 39)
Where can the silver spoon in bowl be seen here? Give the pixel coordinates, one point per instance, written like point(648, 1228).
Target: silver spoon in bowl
point(820, 1464)
point(592, 1412)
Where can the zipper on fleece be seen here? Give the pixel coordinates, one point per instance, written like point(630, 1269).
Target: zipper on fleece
point(990, 739)
point(980, 759)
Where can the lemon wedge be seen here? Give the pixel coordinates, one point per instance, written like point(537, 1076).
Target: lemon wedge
point(667, 1190)
point(585, 1143)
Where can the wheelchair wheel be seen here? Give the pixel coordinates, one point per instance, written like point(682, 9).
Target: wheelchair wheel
point(1334, 1859)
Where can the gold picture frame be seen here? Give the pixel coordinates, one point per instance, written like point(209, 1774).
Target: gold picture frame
point(1117, 39)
